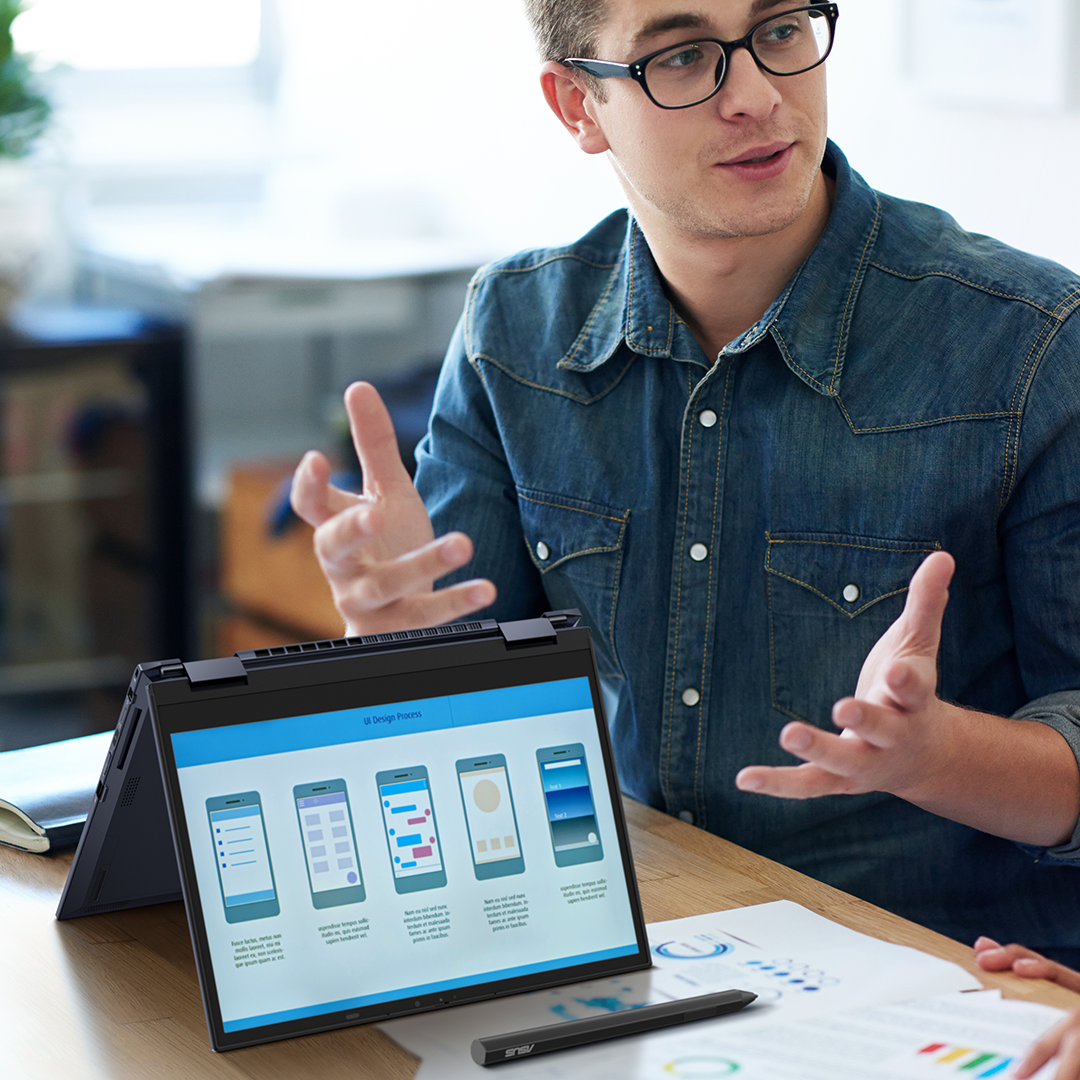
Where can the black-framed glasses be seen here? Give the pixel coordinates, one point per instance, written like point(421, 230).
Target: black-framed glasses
point(691, 72)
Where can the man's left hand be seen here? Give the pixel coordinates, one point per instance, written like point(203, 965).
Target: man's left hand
point(889, 730)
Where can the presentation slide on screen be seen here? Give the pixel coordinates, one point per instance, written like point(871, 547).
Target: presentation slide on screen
point(366, 855)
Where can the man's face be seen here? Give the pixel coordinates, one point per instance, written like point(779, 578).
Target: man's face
point(698, 170)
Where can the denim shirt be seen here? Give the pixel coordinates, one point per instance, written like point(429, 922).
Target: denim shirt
point(739, 531)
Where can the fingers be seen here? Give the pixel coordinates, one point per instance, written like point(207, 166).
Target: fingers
point(374, 438)
point(423, 609)
point(1039, 1053)
point(1039, 967)
point(1063, 1039)
point(791, 781)
point(395, 594)
point(384, 582)
point(887, 727)
point(312, 495)
point(995, 957)
point(1024, 962)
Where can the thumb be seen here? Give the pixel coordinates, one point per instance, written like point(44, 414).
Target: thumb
point(928, 595)
point(374, 437)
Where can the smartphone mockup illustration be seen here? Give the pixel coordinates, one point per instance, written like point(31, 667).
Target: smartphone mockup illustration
point(326, 829)
point(245, 872)
point(494, 839)
point(412, 834)
point(564, 776)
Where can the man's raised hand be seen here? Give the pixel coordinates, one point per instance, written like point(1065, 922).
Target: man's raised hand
point(1011, 778)
point(377, 549)
point(889, 728)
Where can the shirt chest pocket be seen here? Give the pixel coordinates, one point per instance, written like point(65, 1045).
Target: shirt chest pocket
point(577, 546)
point(830, 598)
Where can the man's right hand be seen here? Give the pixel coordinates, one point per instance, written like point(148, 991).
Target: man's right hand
point(378, 549)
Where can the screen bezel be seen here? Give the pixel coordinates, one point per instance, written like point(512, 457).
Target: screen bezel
point(328, 684)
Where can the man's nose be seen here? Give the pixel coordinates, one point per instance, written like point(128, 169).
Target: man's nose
point(747, 90)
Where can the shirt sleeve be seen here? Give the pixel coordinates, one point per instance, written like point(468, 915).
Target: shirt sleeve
point(1040, 530)
point(466, 483)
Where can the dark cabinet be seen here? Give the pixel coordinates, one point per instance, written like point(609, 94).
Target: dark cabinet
point(95, 516)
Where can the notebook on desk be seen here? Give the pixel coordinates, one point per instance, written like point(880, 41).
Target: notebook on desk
point(371, 827)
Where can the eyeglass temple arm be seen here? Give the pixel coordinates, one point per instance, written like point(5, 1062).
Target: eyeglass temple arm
point(602, 69)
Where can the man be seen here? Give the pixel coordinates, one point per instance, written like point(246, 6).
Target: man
point(730, 427)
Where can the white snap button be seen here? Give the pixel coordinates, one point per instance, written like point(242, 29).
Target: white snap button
point(690, 696)
point(699, 552)
point(707, 418)
point(687, 816)
point(851, 593)
point(543, 552)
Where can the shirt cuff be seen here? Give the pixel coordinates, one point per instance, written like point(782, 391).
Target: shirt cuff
point(1061, 711)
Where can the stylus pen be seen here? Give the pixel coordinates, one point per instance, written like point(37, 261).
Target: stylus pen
point(518, 1044)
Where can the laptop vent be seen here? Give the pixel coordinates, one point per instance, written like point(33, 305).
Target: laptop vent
point(445, 630)
point(127, 796)
point(105, 907)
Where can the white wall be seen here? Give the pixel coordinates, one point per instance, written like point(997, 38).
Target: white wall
point(427, 122)
point(451, 113)
point(1008, 171)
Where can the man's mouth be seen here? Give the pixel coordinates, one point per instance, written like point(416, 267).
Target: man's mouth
point(759, 154)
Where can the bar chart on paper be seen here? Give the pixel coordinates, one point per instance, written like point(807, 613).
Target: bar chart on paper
point(968, 1061)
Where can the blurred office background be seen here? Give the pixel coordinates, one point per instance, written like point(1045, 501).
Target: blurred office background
point(238, 208)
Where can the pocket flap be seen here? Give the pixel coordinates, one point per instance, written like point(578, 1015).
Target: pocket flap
point(558, 528)
point(850, 572)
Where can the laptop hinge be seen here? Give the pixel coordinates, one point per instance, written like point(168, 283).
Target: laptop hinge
point(564, 618)
point(528, 632)
point(225, 669)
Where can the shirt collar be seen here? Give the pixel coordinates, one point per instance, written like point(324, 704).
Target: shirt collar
point(809, 320)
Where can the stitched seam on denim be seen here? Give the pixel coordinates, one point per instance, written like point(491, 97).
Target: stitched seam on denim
point(921, 423)
point(678, 603)
point(576, 509)
point(824, 596)
point(698, 803)
point(772, 635)
point(860, 273)
point(1012, 442)
point(579, 340)
point(779, 339)
point(615, 595)
point(473, 360)
point(544, 568)
point(1031, 367)
point(495, 271)
point(1054, 313)
point(647, 350)
point(842, 543)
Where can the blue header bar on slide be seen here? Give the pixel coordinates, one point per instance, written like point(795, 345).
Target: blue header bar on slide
point(265, 737)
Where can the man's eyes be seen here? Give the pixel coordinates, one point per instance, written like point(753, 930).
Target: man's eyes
point(778, 33)
point(685, 57)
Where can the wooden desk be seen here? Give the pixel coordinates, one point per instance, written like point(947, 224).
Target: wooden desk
point(112, 997)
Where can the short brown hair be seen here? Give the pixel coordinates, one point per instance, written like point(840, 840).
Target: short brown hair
point(566, 28)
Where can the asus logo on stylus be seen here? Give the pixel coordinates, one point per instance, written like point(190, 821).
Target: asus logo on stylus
point(518, 1051)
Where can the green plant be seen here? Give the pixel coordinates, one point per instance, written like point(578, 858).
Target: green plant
point(24, 112)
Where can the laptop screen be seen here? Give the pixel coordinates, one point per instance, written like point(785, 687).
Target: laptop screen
point(355, 863)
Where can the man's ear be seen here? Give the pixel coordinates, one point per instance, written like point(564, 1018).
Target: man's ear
point(573, 105)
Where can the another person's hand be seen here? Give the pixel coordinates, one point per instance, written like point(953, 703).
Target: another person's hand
point(378, 549)
point(887, 738)
point(1063, 1039)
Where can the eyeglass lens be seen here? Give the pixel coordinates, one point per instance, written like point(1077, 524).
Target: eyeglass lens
point(786, 45)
